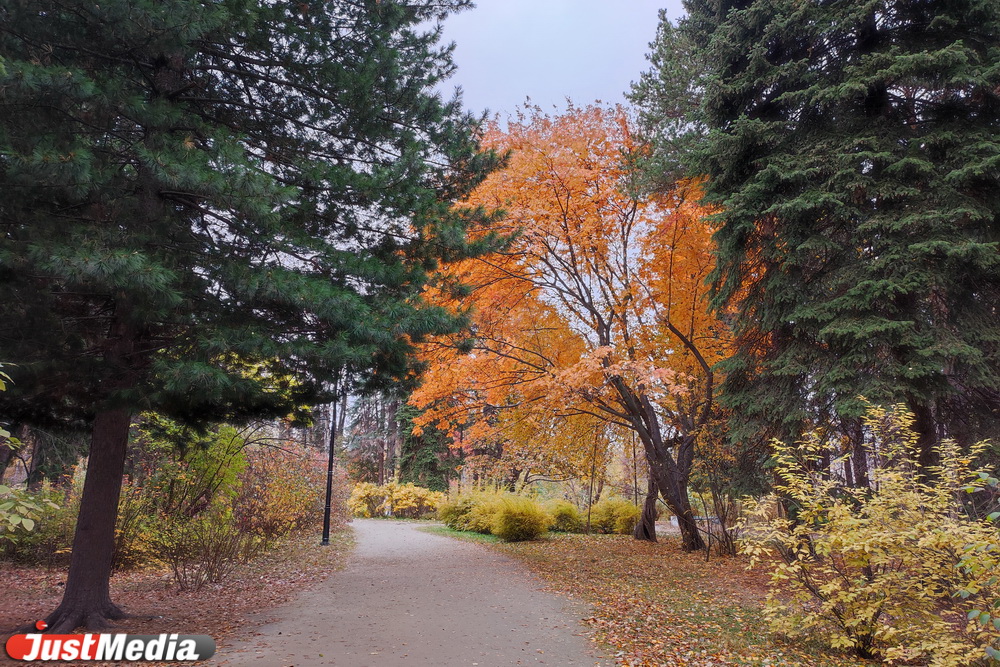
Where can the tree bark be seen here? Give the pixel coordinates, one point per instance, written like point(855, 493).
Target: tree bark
point(645, 530)
point(9, 450)
point(35, 472)
point(87, 598)
point(926, 427)
point(671, 474)
point(859, 455)
point(677, 500)
point(395, 438)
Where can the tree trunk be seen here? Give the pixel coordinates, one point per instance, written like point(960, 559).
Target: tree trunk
point(35, 472)
point(395, 438)
point(645, 530)
point(673, 488)
point(859, 455)
point(87, 598)
point(8, 450)
point(926, 427)
point(671, 475)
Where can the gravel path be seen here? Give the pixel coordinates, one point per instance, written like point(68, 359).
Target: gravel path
point(412, 598)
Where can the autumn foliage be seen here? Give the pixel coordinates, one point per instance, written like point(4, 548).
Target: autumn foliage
point(900, 571)
point(594, 318)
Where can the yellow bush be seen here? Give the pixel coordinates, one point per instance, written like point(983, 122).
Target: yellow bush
point(454, 512)
point(405, 501)
point(408, 501)
point(565, 517)
point(898, 571)
point(480, 516)
point(365, 500)
point(614, 515)
point(518, 519)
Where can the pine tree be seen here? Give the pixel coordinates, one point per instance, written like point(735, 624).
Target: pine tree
point(854, 150)
point(203, 199)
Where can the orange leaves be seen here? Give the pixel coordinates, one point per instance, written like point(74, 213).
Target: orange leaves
point(654, 605)
point(598, 289)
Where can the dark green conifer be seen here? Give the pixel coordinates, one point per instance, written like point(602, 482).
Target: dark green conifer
point(202, 200)
point(855, 150)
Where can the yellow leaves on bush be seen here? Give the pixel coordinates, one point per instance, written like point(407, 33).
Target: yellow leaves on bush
point(519, 519)
point(565, 517)
point(882, 571)
point(404, 501)
point(614, 515)
point(510, 517)
point(281, 490)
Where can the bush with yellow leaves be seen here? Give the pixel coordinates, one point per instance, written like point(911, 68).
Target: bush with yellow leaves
point(614, 515)
point(365, 500)
point(899, 571)
point(402, 501)
point(471, 512)
point(519, 519)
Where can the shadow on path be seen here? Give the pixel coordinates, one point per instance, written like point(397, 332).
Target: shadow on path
point(412, 598)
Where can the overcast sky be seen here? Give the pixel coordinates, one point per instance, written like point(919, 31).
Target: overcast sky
point(588, 50)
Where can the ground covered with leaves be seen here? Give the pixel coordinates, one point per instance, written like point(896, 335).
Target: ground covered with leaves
point(227, 611)
point(655, 605)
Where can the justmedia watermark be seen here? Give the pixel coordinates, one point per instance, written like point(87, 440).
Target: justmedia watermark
point(110, 647)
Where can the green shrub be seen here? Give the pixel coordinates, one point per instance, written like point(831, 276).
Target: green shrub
point(52, 536)
point(565, 517)
point(614, 515)
point(22, 514)
point(898, 571)
point(517, 519)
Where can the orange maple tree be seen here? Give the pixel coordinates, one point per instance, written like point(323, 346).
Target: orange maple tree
point(596, 309)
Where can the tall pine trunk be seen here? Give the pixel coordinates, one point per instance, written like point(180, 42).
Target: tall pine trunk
point(87, 597)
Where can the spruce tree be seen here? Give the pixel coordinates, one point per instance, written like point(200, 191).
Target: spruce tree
point(854, 148)
point(202, 200)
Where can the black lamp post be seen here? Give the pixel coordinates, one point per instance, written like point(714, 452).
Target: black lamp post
point(329, 463)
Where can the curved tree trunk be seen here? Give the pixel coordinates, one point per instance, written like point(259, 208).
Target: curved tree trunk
point(676, 498)
point(645, 530)
point(672, 480)
point(670, 475)
point(87, 598)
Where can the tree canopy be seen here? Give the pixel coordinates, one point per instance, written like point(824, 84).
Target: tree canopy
point(597, 309)
point(212, 207)
point(852, 152)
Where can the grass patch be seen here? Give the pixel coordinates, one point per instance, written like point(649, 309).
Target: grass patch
point(439, 529)
point(654, 604)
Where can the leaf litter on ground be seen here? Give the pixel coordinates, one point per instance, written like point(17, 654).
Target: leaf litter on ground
point(228, 611)
point(654, 604)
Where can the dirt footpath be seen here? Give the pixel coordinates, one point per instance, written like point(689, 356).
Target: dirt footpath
point(412, 598)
